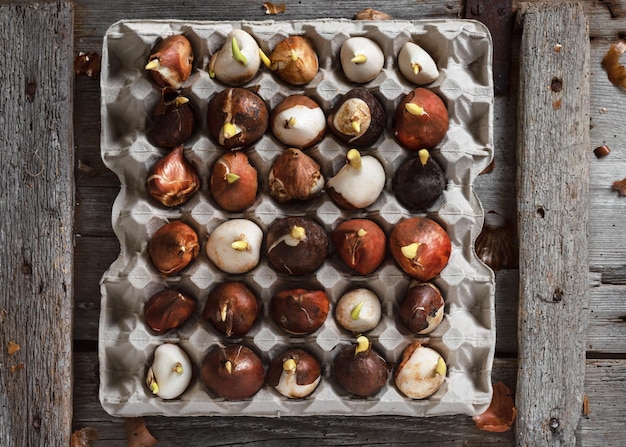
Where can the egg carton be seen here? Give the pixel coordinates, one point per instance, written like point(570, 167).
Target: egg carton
point(462, 50)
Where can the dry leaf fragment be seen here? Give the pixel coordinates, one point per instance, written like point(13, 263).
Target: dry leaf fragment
point(138, 434)
point(496, 245)
point(18, 367)
point(87, 64)
point(371, 14)
point(586, 410)
point(85, 437)
point(501, 413)
point(620, 186)
point(12, 347)
point(272, 8)
point(616, 72)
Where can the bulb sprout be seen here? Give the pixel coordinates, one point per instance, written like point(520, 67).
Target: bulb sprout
point(424, 155)
point(237, 54)
point(410, 251)
point(359, 59)
point(414, 109)
point(289, 366)
point(356, 311)
point(298, 233)
point(354, 158)
point(362, 345)
point(153, 64)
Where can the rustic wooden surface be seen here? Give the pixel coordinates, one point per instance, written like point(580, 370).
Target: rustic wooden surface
point(36, 222)
point(553, 182)
point(96, 246)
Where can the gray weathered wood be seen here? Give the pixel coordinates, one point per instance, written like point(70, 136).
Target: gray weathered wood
point(36, 221)
point(553, 180)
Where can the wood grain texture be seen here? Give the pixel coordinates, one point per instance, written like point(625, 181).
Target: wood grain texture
point(553, 181)
point(36, 222)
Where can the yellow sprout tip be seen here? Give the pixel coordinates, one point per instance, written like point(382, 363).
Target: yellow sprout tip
point(356, 125)
point(178, 368)
point(289, 366)
point(223, 312)
point(266, 60)
point(362, 344)
point(229, 130)
point(294, 55)
point(361, 232)
point(410, 251)
point(441, 367)
point(231, 177)
point(154, 387)
point(416, 67)
point(229, 366)
point(358, 59)
point(356, 311)
point(152, 65)
point(290, 123)
point(298, 233)
point(354, 158)
point(414, 109)
point(240, 245)
point(424, 155)
point(237, 54)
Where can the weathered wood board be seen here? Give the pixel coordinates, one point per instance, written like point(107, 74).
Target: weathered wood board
point(36, 224)
point(553, 182)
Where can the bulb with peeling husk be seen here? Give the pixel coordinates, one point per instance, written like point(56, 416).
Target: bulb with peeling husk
point(360, 370)
point(233, 372)
point(361, 59)
point(295, 176)
point(421, 372)
point(173, 180)
point(416, 65)
point(295, 373)
point(294, 60)
point(358, 119)
point(232, 307)
point(234, 182)
point(238, 61)
point(171, 61)
point(170, 373)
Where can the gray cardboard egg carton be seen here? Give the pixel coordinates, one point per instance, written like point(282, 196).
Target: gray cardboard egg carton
point(466, 338)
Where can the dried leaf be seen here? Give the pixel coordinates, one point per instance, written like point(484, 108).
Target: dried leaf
point(496, 245)
point(85, 437)
point(87, 64)
point(13, 347)
point(272, 8)
point(501, 413)
point(138, 434)
point(616, 72)
point(371, 14)
point(620, 186)
point(586, 410)
point(18, 367)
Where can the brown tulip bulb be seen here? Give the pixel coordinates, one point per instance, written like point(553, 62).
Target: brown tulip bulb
point(295, 176)
point(237, 118)
point(294, 60)
point(173, 247)
point(296, 245)
point(294, 373)
point(419, 182)
point(300, 311)
point(360, 370)
point(173, 179)
point(168, 309)
point(422, 309)
point(173, 121)
point(232, 308)
point(234, 183)
point(233, 372)
point(359, 118)
point(171, 61)
point(421, 120)
point(421, 247)
point(361, 244)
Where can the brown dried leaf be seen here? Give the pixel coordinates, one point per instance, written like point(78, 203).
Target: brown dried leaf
point(12, 347)
point(615, 71)
point(138, 434)
point(87, 64)
point(586, 410)
point(371, 14)
point(18, 367)
point(85, 437)
point(272, 8)
point(620, 186)
point(496, 245)
point(501, 413)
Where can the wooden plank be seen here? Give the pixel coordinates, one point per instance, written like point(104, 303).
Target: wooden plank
point(37, 210)
point(553, 180)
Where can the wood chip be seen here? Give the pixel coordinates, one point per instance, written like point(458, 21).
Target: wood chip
point(371, 14)
point(273, 8)
point(85, 437)
point(138, 434)
point(12, 347)
point(501, 413)
point(615, 71)
point(87, 64)
point(586, 410)
point(18, 367)
point(620, 186)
